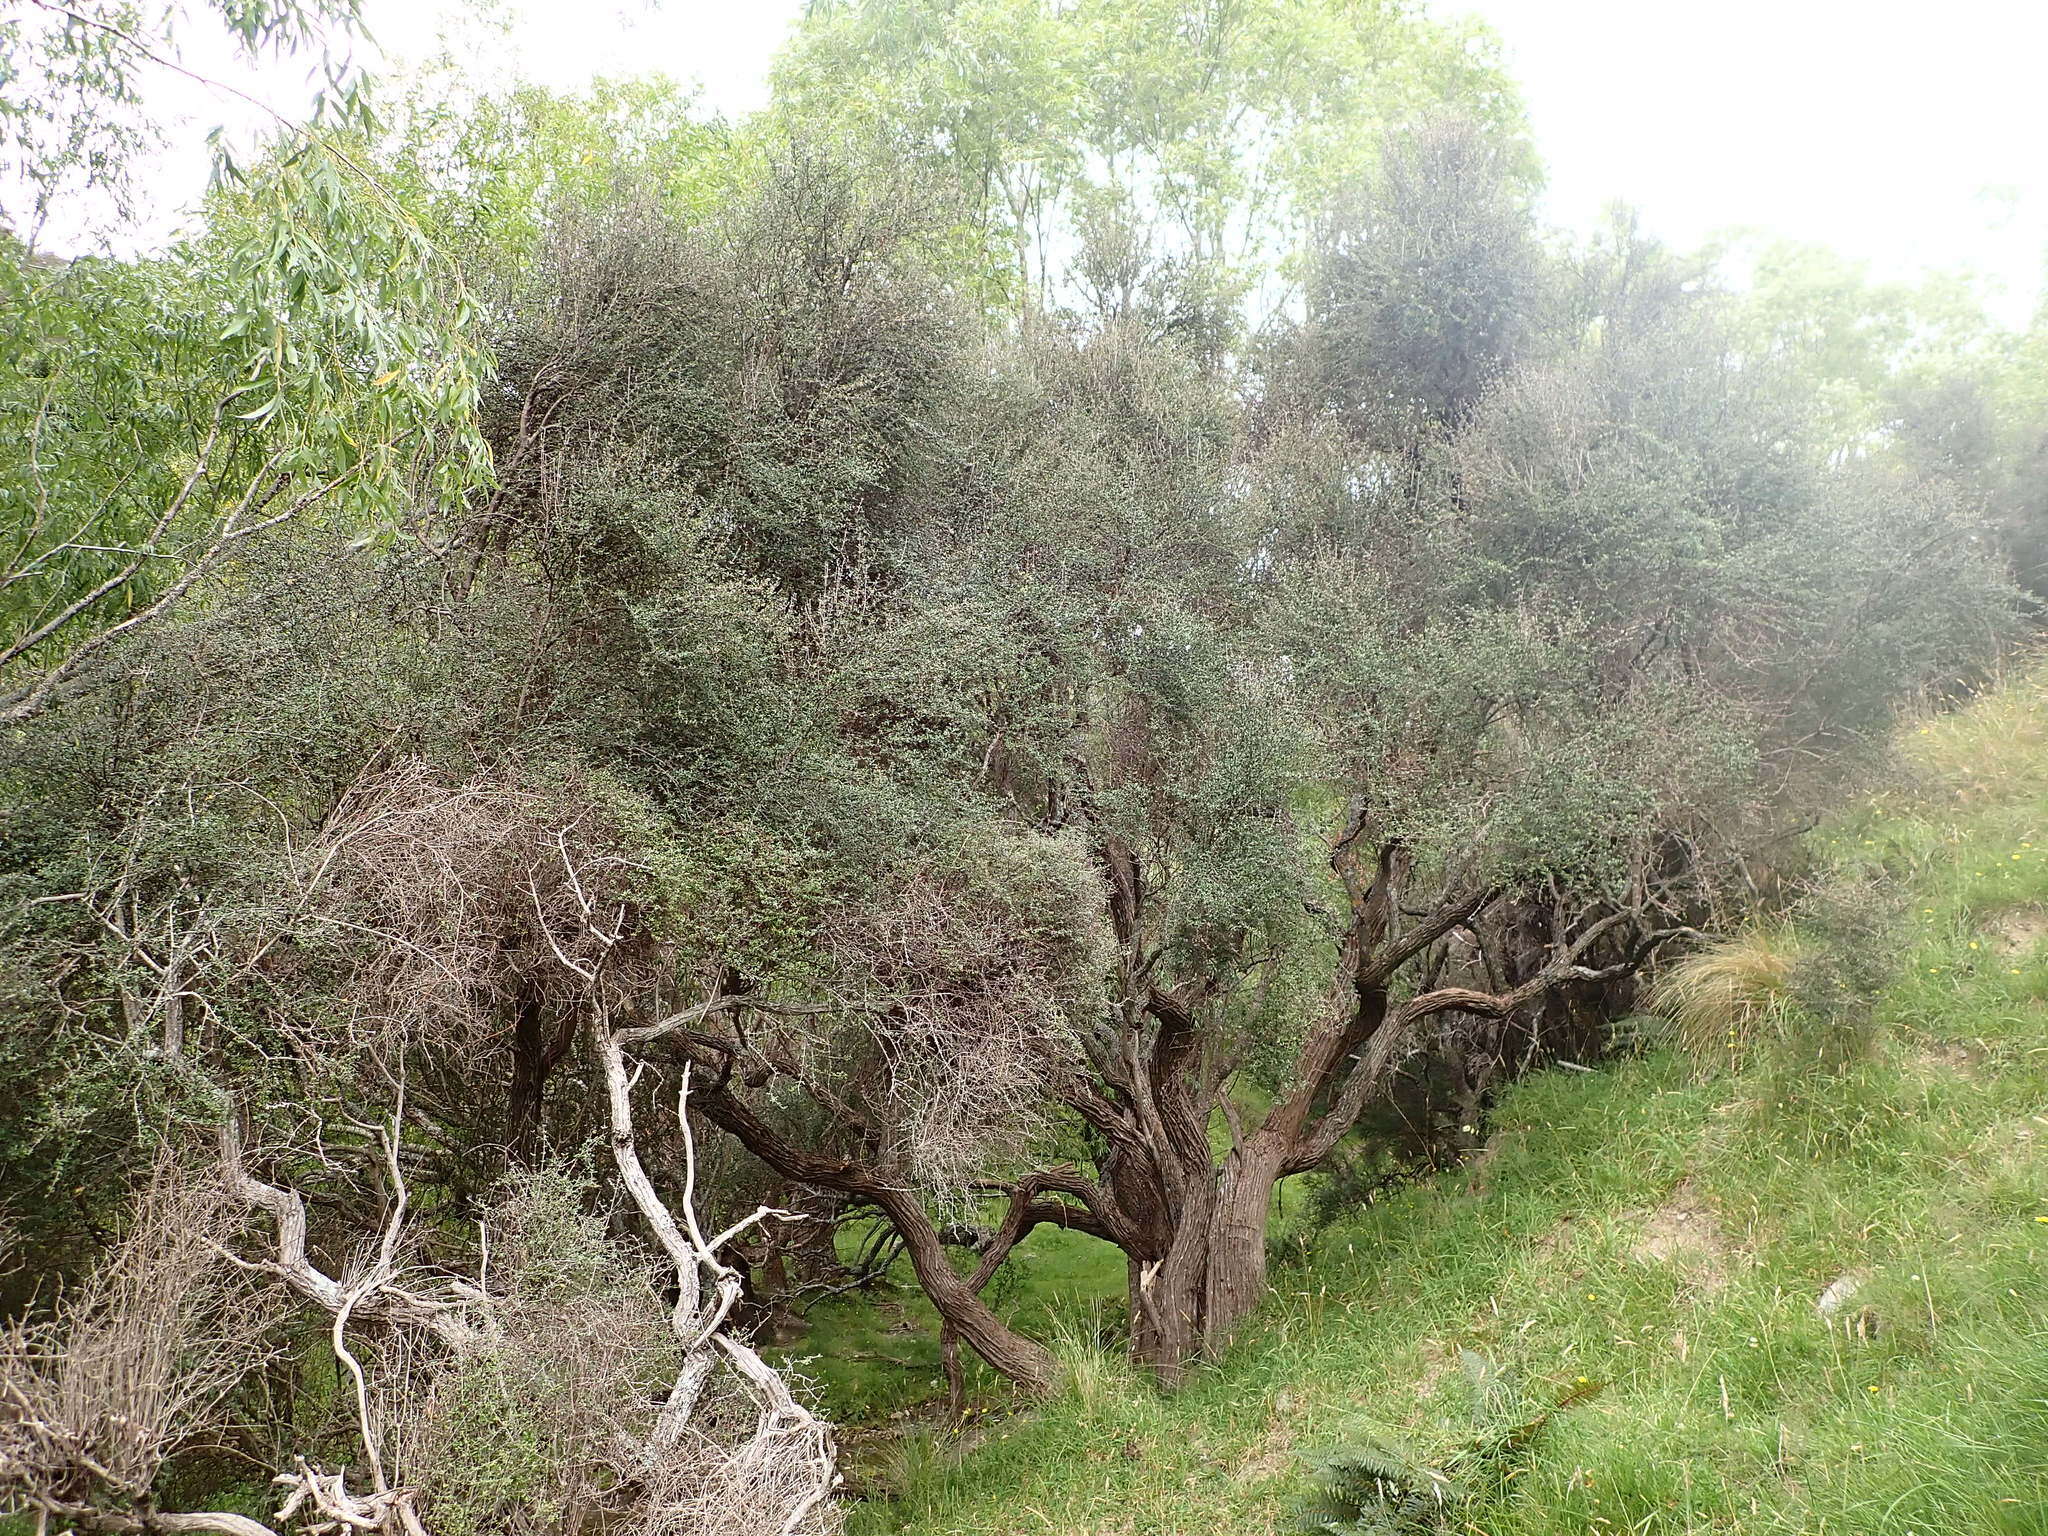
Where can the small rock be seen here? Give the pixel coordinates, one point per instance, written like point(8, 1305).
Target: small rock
point(1832, 1299)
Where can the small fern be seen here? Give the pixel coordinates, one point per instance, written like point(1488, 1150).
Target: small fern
point(1378, 1487)
point(1373, 1488)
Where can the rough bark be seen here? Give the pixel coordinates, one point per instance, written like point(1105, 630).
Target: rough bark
point(1195, 1226)
point(1151, 1080)
point(538, 1046)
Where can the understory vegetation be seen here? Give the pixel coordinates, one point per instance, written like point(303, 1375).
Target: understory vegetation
point(990, 803)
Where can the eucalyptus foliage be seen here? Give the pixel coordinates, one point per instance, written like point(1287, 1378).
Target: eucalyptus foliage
point(309, 354)
point(1186, 146)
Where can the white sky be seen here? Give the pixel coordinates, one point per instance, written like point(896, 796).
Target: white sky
point(1904, 133)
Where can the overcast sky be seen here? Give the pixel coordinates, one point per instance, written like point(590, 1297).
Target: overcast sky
point(1905, 134)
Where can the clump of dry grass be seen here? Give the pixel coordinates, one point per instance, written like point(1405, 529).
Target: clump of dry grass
point(1721, 997)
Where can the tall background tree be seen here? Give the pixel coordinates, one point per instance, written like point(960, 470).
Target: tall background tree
point(310, 347)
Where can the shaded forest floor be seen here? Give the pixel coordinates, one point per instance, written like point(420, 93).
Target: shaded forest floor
point(1668, 1228)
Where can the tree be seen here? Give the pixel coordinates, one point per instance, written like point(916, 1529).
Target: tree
point(311, 349)
point(534, 1304)
point(983, 775)
point(1360, 746)
point(1211, 132)
point(1428, 285)
point(74, 112)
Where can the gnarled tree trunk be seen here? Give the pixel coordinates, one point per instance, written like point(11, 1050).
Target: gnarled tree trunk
point(1156, 1076)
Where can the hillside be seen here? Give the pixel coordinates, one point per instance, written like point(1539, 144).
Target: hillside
point(1668, 1228)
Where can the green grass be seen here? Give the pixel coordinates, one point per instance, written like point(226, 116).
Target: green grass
point(1667, 1230)
point(872, 1357)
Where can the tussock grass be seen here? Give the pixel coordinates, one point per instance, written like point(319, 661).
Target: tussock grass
point(1915, 1173)
point(1721, 997)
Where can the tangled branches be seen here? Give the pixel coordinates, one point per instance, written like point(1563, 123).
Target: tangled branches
point(459, 904)
point(523, 1401)
point(780, 1478)
point(129, 1366)
point(985, 962)
point(521, 1396)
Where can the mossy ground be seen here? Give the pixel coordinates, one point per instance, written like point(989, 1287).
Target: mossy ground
point(1667, 1227)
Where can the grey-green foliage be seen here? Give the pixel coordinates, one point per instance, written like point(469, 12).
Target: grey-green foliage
point(1427, 284)
point(1857, 924)
point(776, 363)
point(1486, 735)
point(1980, 425)
point(534, 1429)
point(1674, 497)
point(1915, 373)
point(959, 689)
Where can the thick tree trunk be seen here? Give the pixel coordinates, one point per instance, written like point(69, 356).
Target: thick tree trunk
point(1167, 1302)
point(537, 1049)
point(1150, 1083)
point(1185, 1307)
point(1237, 1246)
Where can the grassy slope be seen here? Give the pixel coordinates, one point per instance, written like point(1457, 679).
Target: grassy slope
point(1669, 1231)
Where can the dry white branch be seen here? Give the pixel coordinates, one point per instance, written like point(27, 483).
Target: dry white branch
point(450, 1317)
point(781, 1480)
point(326, 1495)
point(456, 1317)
